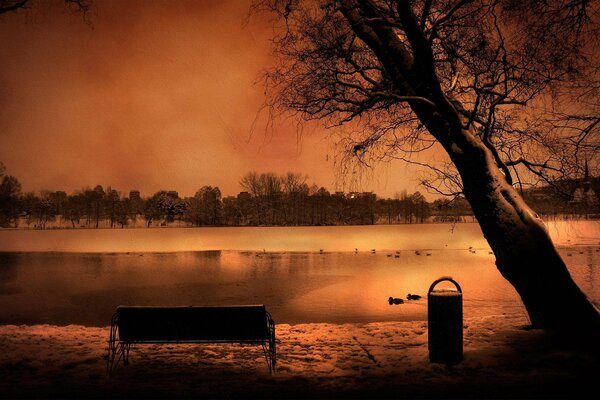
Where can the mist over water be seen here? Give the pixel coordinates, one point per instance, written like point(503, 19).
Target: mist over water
point(336, 285)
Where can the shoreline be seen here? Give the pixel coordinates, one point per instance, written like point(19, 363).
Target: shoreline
point(595, 247)
point(502, 358)
point(118, 228)
point(406, 237)
point(471, 220)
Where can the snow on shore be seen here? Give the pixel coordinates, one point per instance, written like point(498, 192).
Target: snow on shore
point(278, 239)
point(502, 359)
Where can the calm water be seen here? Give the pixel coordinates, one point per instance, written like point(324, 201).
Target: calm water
point(302, 286)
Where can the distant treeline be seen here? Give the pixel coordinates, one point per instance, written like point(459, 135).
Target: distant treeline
point(266, 199)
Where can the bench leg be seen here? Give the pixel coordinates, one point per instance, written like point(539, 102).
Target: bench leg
point(113, 347)
point(110, 362)
point(117, 350)
point(125, 353)
point(116, 353)
point(268, 359)
point(273, 351)
point(270, 351)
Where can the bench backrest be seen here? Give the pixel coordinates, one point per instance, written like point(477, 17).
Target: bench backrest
point(225, 323)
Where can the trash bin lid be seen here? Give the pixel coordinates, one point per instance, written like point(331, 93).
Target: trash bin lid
point(445, 292)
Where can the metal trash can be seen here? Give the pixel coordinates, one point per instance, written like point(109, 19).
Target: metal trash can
point(445, 323)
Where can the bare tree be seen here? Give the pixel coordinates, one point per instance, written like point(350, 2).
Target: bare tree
point(492, 83)
point(112, 205)
point(74, 208)
point(10, 192)
point(7, 6)
point(252, 184)
point(296, 192)
point(205, 208)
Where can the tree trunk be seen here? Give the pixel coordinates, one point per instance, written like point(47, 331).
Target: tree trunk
point(525, 254)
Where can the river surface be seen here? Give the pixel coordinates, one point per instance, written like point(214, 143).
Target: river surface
point(306, 274)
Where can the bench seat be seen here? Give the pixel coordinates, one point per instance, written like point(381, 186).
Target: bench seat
point(249, 324)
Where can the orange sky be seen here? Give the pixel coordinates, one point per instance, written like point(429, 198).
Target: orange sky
point(153, 95)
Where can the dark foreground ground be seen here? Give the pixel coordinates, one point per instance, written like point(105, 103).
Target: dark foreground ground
point(380, 360)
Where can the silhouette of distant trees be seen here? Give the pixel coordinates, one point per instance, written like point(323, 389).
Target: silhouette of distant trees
point(267, 199)
point(74, 209)
point(10, 191)
point(405, 208)
point(164, 206)
point(43, 211)
point(205, 208)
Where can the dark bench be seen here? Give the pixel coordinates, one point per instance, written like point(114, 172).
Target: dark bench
point(225, 324)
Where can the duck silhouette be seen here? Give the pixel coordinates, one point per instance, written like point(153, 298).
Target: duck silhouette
point(395, 300)
point(412, 297)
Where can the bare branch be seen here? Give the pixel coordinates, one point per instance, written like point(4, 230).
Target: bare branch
point(8, 5)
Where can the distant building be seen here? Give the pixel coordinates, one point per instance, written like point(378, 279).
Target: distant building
point(584, 195)
point(368, 195)
point(567, 196)
point(361, 195)
point(243, 196)
point(134, 195)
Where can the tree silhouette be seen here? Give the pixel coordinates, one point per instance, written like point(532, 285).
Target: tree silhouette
point(494, 84)
point(74, 208)
point(205, 208)
point(10, 191)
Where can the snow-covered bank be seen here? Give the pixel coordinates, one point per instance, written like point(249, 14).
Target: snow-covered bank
point(502, 359)
point(279, 239)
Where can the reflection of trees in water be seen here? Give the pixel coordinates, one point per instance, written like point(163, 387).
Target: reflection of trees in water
point(581, 262)
point(9, 267)
point(208, 261)
point(94, 264)
point(212, 254)
point(589, 260)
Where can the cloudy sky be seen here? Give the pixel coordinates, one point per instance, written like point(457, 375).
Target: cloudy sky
point(150, 95)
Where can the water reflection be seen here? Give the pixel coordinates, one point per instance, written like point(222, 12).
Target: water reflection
point(590, 266)
point(64, 288)
point(8, 268)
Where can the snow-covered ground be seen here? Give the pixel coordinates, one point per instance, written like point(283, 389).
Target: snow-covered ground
point(278, 239)
point(389, 359)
